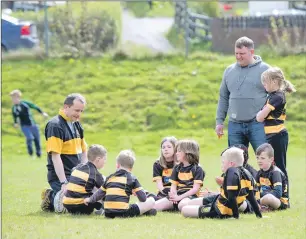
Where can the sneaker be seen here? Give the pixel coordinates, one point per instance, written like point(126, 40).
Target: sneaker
point(151, 212)
point(46, 205)
point(100, 212)
point(264, 208)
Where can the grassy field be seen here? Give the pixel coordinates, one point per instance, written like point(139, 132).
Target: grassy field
point(23, 180)
point(134, 104)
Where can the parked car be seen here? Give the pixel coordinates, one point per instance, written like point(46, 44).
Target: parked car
point(17, 34)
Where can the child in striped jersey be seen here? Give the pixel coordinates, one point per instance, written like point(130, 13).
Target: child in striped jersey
point(237, 186)
point(117, 189)
point(272, 182)
point(84, 180)
point(273, 114)
point(162, 168)
point(186, 179)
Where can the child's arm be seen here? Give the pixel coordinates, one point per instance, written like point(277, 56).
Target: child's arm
point(173, 189)
point(196, 187)
point(232, 200)
point(33, 106)
point(261, 115)
point(232, 180)
point(141, 195)
point(254, 204)
point(277, 189)
point(273, 102)
point(138, 190)
point(98, 195)
point(157, 176)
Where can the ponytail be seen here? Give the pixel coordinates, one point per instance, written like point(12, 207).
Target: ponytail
point(288, 87)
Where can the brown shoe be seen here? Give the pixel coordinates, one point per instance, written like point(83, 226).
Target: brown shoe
point(46, 205)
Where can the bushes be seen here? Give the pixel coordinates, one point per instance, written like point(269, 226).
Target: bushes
point(79, 29)
point(210, 9)
point(286, 40)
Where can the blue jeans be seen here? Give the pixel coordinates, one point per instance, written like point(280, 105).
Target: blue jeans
point(244, 133)
point(31, 132)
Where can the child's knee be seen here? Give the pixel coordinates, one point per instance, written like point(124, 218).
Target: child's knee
point(150, 202)
point(183, 203)
point(266, 199)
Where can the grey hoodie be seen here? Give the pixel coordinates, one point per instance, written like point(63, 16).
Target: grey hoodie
point(242, 94)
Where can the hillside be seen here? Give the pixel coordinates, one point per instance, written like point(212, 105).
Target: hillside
point(137, 95)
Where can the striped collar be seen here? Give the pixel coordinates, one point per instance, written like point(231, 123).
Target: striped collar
point(62, 113)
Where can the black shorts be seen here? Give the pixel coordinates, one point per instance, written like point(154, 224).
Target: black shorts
point(207, 201)
point(211, 211)
point(82, 208)
point(133, 211)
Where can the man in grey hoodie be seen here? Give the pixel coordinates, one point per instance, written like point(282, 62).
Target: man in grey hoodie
point(242, 95)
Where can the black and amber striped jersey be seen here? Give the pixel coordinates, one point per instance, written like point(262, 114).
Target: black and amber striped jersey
point(274, 122)
point(237, 180)
point(118, 187)
point(62, 140)
point(84, 178)
point(162, 173)
point(273, 181)
point(186, 177)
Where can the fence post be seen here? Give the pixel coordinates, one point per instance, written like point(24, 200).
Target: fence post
point(46, 29)
point(186, 19)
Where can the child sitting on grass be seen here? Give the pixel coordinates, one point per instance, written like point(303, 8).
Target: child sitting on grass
point(271, 180)
point(238, 185)
point(117, 189)
point(186, 179)
point(84, 179)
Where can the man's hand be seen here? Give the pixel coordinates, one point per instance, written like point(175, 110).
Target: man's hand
point(219, 130)
point(64, 188)
point(86, 201)
point(45, 114)
point(16, 125)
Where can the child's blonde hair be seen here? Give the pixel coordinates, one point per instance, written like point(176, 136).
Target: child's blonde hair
point(95, 151)
point(162, 161)
point(191, 149)
point(276, 74)
point(265, 148)
point(235, 155)
point(16, 93)
point(126, 158)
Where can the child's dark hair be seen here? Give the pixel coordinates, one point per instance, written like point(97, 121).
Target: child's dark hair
point(265, 148)
point(245, 152)
point(191, 149)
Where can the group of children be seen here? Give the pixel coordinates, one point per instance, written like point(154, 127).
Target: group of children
point(179, 176)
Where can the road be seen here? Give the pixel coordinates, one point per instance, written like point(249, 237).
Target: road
point(149, 32)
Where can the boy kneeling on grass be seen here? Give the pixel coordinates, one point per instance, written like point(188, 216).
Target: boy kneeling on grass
point(84, 180)
point(272, 182)
point(117, 189)
point(238, 185)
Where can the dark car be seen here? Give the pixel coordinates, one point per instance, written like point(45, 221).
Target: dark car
point(17, 34)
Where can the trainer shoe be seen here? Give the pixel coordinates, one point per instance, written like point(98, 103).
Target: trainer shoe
point(46, 205)
point(100, 212)
point(151, 212)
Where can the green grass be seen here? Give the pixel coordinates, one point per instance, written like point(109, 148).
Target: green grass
point(23, 180)
point(159, 9)
point(140, 94)
point(134, 104)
